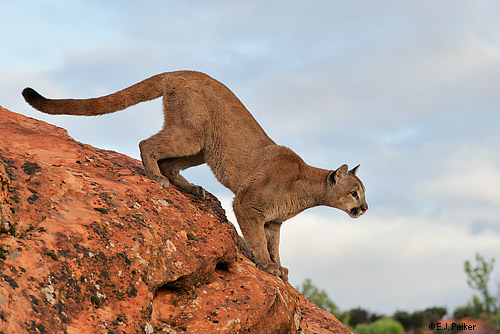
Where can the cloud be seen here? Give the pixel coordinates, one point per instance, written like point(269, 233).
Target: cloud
point(475, 180)
point(419, 258)
point(14, 80)
point(407, 90)
point(35, 33)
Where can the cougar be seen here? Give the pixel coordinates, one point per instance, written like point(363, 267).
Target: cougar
point(206, 123)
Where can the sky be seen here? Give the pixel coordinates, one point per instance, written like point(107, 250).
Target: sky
point(407, 89)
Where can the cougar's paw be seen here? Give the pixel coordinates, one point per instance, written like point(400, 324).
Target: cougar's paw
point(284, 274)
point(198, 191)
point(271, 268)
point(162, 180)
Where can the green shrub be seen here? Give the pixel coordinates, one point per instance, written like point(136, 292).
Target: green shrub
point(363, 329)
point(318, 297)
point(381, 326)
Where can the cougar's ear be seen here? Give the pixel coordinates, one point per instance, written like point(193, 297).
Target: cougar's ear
point(354, 170)
point(340, 173)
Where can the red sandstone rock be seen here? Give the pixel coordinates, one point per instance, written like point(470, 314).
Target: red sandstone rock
point(90, 245)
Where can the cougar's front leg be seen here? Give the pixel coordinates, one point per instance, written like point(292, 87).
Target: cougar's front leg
point(251, 223)
point(272, 230)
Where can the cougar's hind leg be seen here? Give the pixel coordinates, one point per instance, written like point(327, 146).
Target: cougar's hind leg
point(171, 168)
point(166, 145)
point(150, 154)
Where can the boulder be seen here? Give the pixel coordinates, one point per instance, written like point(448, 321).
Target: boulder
point(88, 244)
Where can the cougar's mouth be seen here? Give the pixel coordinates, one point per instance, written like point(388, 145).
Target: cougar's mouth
point(356, 212)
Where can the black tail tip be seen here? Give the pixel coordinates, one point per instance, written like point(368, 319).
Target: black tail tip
point(30, 95)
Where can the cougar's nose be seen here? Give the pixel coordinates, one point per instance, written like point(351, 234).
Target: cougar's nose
point(364, 208)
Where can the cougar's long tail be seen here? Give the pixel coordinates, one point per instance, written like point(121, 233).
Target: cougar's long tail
point(146, 90)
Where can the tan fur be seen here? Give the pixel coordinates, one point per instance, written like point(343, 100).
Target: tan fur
point(206, 123)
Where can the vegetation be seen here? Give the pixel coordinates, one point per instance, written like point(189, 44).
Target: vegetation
point(320, 298)
point(381, 326)
point(478, 278)
point(357, 316)
point(419, 319)
point(484, 306)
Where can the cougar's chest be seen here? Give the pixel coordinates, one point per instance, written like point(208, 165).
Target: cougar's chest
point(284, 210)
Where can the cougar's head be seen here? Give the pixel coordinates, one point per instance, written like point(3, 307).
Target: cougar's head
point(345, 191)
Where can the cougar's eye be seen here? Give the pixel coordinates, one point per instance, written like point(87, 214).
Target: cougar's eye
point(354, 194)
